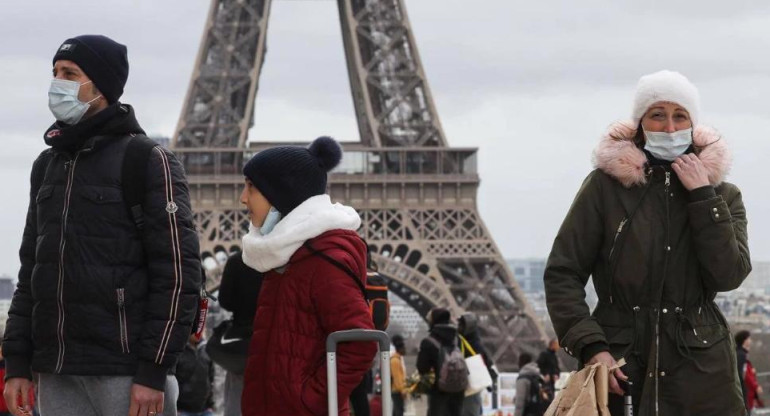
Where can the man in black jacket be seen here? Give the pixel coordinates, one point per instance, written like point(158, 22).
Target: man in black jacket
point(104, 304)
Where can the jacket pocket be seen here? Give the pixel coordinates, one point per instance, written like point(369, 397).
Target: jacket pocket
point(44, 193)
point(122, 320)
point(102, 195)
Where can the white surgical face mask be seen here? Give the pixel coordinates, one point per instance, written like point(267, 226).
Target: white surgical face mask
point(64, 103)
point(668, 146)
point(273, 217)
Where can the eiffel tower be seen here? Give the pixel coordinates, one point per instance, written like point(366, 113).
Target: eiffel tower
point(415, 193)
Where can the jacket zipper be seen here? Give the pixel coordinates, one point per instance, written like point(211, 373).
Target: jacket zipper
point(69, 168)
point(612, 249)
point(122, 318)
point(657, 310)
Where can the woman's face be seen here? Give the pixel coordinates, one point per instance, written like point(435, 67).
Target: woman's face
point(666, 117)
point(256, 203)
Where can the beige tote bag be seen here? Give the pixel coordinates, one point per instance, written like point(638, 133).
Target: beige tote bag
point(585, 394)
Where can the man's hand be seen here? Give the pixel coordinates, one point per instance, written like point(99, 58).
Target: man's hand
point(605, 358)
point(145, 401)
point(17, 396)
point(691, 171)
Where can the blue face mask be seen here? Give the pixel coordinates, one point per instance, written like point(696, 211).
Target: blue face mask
point(272, 219)
point(668, 146)
point(64, 103)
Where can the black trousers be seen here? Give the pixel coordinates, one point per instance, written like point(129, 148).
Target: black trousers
point(359, 398)
point(445, 404)
point(398, 404)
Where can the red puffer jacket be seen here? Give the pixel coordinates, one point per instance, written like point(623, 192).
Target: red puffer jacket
point(297, 310)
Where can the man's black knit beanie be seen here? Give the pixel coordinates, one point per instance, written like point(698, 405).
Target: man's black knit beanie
point(103, 60)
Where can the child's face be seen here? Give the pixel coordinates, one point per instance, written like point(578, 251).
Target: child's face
point(256, 203)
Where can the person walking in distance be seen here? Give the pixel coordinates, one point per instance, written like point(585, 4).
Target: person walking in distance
point(746, 372)
point(433, 354)
point(548, 363)
point(531, 395)
point(398, 375)
point(239, 294)
point(468, 332)
point(109, 285)
point(660, 233)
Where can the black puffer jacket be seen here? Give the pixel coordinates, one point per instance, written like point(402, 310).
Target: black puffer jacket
point(97, 296)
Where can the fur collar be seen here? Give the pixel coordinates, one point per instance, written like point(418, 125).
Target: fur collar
point(310, 219)
point(617, 156)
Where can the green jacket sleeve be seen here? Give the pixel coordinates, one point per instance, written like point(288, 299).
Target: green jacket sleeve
point(720, 238)
point(570, 265)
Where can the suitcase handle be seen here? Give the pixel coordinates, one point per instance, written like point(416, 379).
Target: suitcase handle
point(357, 335)
point(353, 335)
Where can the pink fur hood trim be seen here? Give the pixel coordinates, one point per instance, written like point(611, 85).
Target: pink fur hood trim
point(618, 156)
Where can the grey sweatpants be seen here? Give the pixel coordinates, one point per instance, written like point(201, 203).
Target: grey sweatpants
point(233, 392)
point(61, 395)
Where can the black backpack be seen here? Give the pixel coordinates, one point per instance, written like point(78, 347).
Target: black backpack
point(133, 180)
point(375, 290)
point(536, 402)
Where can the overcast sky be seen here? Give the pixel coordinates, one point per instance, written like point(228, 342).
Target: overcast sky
point(532, 84)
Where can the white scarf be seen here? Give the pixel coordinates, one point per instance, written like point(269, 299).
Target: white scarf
point(310, 219)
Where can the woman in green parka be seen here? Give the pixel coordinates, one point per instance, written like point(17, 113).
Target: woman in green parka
point(661, 233)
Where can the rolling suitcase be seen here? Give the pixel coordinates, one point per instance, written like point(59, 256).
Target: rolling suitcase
point(354, 335)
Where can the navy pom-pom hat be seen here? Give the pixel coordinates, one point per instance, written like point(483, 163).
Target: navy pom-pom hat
point(288, 175)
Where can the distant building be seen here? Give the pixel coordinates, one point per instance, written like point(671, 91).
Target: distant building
point(528, 273)
point(759, 278)
point(7, 287)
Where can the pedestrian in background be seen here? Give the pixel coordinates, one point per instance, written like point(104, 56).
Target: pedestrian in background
point(398, 375)
point(746, 372)
point(433, 351)
point(195, 374)
point(530, 397)
point(468, 331)
point(548, 363)
point(239, 294)
point(660, 232)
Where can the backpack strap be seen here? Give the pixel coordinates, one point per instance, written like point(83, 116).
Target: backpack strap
point(134, 175)
point(340, 266)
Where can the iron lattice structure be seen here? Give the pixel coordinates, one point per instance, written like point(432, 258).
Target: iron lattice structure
point(416, 195)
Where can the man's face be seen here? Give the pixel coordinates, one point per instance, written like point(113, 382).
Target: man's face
point(70, 71)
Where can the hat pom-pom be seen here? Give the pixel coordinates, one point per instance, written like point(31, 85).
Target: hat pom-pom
point(327, 151)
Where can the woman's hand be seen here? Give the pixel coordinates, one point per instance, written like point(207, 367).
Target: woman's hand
point(691, 171)
point(605, 358)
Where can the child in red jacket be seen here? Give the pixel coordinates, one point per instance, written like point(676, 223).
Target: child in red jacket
point(314, 266)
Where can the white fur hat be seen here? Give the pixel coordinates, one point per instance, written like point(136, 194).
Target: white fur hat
point(666, 86)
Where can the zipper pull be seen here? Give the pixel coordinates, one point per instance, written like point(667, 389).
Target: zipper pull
point(121, 297)
point(668, 178)
point(622, 223)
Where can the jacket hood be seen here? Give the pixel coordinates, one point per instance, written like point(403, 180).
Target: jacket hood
point(469, 323)
point(445, 333)
point(316, 216)
point(618, 156)
point(529, 369)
